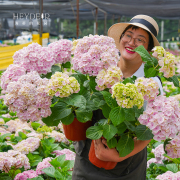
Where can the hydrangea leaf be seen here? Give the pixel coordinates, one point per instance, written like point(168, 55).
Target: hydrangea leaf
point(125, 145)
point(94, 132)
point(117, 115)
point(109, 131)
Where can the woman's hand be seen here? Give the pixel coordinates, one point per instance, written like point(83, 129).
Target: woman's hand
point(103, 152)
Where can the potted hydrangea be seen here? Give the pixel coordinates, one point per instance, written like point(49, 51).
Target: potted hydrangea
point(125, 118)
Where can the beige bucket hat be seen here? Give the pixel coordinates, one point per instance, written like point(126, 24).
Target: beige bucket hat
point(142, 21)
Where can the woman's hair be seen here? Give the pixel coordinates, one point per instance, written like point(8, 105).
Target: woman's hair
point(151, 42)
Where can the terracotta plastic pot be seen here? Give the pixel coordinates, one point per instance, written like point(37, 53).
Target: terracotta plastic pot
point(97, 162)
point(76, 131)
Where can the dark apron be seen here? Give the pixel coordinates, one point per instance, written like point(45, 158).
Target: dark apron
point(132, 168)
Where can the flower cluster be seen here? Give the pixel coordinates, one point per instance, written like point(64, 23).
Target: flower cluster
point(59, 137)
point(3, 131)
point(61, 85)
point(166, 61)
point(12, 73)
point(28, 97)
point(17, 125)
point(127, 95)
point(13, 159)
point(70, 155)
point(106, 78)
point(25, 175)
point(61, 51)
point(169, 175)
point(94, 53)
point(158, 152)
point(162, 116)
point(28, 145)
point(173, 147)
point(34, 57)
point(147, 87)
point(44, 164)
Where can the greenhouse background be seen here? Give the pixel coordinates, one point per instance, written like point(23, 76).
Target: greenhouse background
point(48, 23)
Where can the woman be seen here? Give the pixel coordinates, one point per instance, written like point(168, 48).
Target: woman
point(141, 30)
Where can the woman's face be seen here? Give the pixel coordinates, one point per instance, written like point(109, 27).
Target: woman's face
point(126, 48)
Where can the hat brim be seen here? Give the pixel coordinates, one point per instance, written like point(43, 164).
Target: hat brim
point(116, 30)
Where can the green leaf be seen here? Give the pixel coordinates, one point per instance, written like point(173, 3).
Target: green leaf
point(137, 111)
point(76, 100)
point(121, 128)
point(66, 65)
point(128, 80)
point(129, 114)
point(173, 79)
point(143, 133)
point(90, 106)
point(55, 163)
point(36, 178)
point(98, 102)
point(109, 131)
point(112, 143)
point(117, 115)
point(83, 115)
point(106, 110)
point(55, 68)
point(151, 72)
point(125, 145)
point(94, 132)
point(163, 168)
point(4, 136)
point(49, 171)
point(22, 135)
point(109, 100)
point(35, 125)
point(59, 111)
point(68, 120)
point(146, 57)
point(58, 175)
point(102, 122)
point(68, 164)
point(34, 159)
point(130, 126)
point(92, 83)
point(5, 148)
point(172, 167)
point(165, 143)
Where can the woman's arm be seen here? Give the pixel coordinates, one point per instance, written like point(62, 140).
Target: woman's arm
point(104, 153)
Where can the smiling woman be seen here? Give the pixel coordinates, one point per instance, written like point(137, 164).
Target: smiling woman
point(141, 30)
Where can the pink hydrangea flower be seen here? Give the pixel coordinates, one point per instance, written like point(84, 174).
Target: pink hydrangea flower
point(28, 145)
point(28, 97)
point(147, 87)
point(44, 164)
point(13, 158)
point(94, 53)
point(61, 85)
point(70, 155)
point(34, 58)
point(12, 73)
point(61, 51)
point(173, 148)
point(166, 61)
point(107, 78)
point(169, 175)
point(162, 116)
point(25, 175)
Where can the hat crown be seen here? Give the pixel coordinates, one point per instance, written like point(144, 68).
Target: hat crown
point(149, 19)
